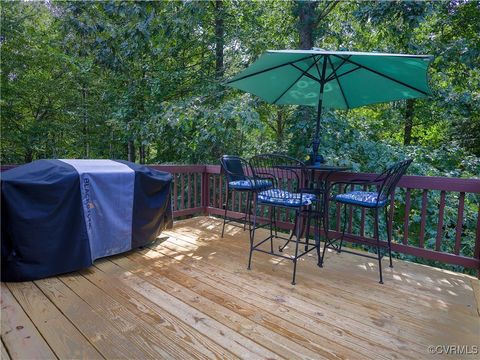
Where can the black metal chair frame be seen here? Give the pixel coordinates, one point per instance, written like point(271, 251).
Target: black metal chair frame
point(232, 176)
point(286, 165)
point(386, 183)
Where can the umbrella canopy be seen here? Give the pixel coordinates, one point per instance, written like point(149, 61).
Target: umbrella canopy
point(334, 79)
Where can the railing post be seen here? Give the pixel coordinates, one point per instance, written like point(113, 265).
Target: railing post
point(205, 191)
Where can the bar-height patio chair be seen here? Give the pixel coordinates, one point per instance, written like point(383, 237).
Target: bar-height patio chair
point(386, 183)
point(239, 178)
point(278, 168)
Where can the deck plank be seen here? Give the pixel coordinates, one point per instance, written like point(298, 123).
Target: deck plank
point(19, 334)
point(63, 338)
point(476, 291)
point(291, 330)
point(151, 313)
point(271, 340)
point(137, 330)
point(231, 340)
point(339, 334)
point(3, 351)
point(109, 341)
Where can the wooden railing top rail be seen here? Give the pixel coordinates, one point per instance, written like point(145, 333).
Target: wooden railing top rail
point(408, 181)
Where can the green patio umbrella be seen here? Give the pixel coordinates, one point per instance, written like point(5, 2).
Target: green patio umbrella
point(334, 79)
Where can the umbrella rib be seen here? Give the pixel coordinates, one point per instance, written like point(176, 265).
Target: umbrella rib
point(330, 77)
point(306, 73)
point(347, 72)
point(269, 69)
point(384, 75)
point(294, 82)
point(338, 82)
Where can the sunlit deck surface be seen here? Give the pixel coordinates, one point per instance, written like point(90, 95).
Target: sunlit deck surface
point(190, 296)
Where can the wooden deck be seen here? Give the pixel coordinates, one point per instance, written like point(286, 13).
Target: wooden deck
point(190, 296)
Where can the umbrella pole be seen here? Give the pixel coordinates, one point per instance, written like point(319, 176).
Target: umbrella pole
point(316, 140)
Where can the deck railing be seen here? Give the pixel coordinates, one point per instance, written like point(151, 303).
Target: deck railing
point(435, 218)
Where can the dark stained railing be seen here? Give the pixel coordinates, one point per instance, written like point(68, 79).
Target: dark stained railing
point(435, 218)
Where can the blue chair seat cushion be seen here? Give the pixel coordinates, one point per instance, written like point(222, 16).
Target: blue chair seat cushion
point(250, 184)
point(362, 198)
point(285, 198)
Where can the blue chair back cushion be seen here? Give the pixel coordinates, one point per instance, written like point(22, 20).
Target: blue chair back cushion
point(361, 198)
point(285, 198)
point(250, 185)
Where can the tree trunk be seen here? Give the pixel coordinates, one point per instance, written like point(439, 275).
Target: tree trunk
point(306, 23)
point(131, 151)
point(219, 38)
point(28, 155)
point(141, 151)
point(86, 145)
point(280, 126)
point(409, 110)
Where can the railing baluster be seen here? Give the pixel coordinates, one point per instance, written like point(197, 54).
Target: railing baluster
point(441, 208)
point(195, 190)
point(221, 191)
point(421, 240)
point(337, 225)
point(175, 191)
point(477, 242)
point(407, 217)
point(362, 219)
point(182, 192)
point(390, 215)
point(215, 204)
point(189, 194)
point(240, 199)
point(350, 213)
point(459, 227)
point(232, 206)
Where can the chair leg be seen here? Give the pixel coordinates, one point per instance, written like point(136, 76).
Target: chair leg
point(247, 211)
point(378, 246)
point(271, 210)
point(339, 250)
point(307, 231)
point(325, 224)
point(252, 234)
point(389, 236)
point(316, 234)
point(297, 231)
point(225, 214)
point(280, 248)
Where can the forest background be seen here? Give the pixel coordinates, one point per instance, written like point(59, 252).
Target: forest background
point(143, 81)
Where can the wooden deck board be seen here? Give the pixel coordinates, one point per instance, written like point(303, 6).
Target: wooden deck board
point(63, 338)
point(4, 354)
point(172, 328)
point(190, 296)
point(19, 334)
